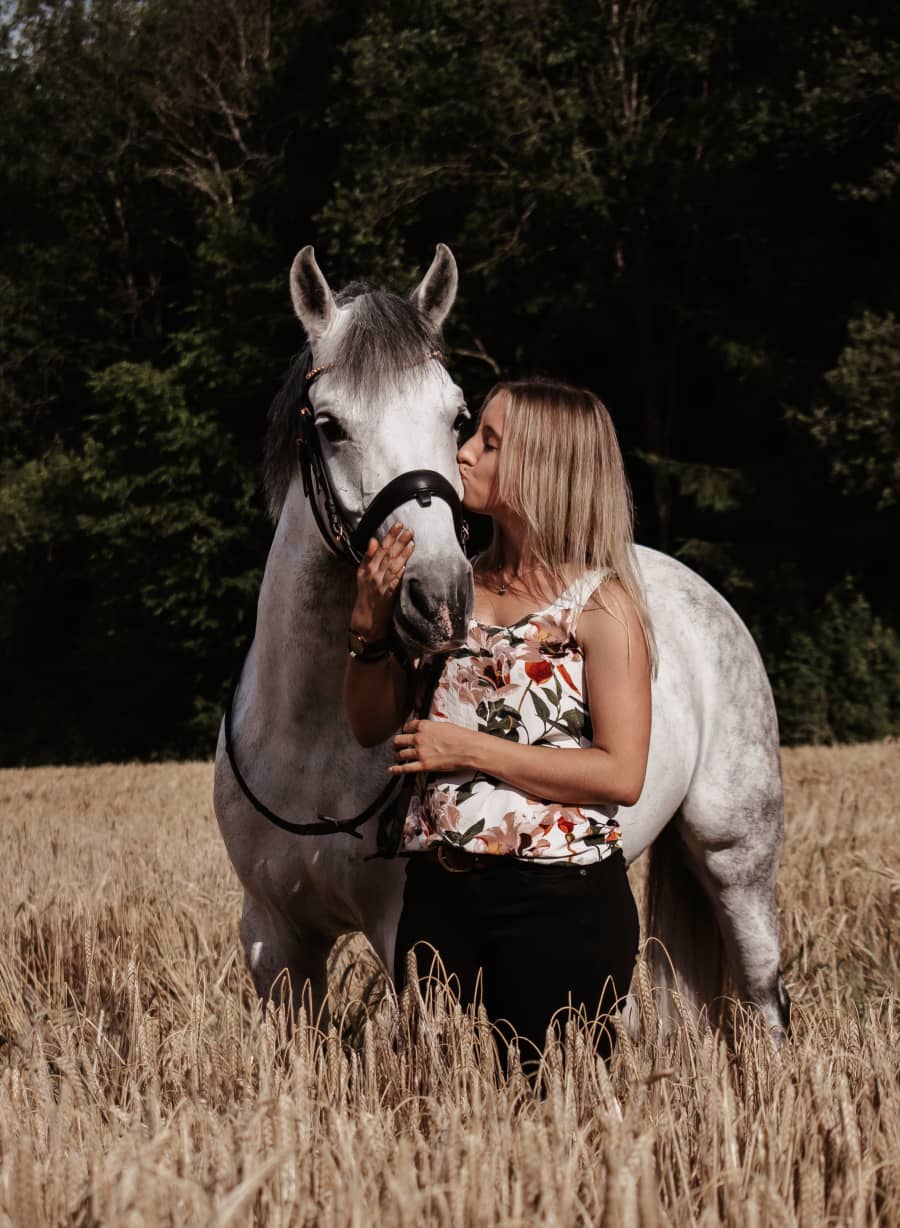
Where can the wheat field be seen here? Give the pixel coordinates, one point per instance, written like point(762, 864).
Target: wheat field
point(142, 1084)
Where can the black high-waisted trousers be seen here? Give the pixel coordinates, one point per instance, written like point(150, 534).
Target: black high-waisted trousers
point(545, 937)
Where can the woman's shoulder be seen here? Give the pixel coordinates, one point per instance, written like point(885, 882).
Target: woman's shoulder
point(610, 622)
point(609, 599)
point(584, 586)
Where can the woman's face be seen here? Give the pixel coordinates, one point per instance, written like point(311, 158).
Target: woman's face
point(479, 458)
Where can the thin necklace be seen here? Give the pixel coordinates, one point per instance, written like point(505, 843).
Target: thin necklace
point(504, 584)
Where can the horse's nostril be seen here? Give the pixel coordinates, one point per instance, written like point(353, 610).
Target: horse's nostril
point(418, 597)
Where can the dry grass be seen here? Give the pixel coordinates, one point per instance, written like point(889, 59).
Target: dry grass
point(140, 1083)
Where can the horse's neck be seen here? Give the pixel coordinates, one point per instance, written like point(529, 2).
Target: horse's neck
point(301, 623)
point(290, 733)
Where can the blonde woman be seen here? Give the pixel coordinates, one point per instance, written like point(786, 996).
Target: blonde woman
point(539, 726)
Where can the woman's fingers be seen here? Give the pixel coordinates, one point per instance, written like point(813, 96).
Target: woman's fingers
point(406, 754)
point(379, 575)
point(375, 546)
point(383, 563)
point(398, 541)
point(393, 544)
point(404, 743)
point(392, 560)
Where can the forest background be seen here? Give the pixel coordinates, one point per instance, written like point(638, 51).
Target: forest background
point(688, 206)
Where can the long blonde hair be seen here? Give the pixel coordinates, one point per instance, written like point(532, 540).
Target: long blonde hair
point(561, 472)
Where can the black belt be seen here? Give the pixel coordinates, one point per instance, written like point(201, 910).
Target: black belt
point(457, 861)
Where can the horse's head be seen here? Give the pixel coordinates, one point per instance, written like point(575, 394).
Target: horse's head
point(385, 406)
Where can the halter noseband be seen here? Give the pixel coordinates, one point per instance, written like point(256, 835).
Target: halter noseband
point(420, 484)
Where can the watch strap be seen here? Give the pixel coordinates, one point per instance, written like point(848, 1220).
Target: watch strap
point(369, 658)
point(365, 650)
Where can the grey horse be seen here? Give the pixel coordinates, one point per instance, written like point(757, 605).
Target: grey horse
point(711, 810)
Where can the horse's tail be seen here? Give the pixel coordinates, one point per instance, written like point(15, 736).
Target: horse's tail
point(689, 954)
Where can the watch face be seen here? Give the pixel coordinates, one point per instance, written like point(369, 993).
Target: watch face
point(356, 644)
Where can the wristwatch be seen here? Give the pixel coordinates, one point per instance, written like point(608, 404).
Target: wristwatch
point(363, 650)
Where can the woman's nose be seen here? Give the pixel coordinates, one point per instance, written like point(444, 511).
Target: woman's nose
point(464, 455)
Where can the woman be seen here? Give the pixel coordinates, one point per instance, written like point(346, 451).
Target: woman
point(538, 728)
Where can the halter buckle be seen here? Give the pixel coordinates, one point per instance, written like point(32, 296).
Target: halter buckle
point(302, 441)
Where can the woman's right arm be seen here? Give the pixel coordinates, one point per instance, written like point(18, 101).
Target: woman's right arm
point(377, 694)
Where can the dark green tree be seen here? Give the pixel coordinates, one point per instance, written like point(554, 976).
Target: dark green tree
point(690, 208)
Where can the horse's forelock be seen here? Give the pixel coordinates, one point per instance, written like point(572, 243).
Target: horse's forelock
point(383, 339)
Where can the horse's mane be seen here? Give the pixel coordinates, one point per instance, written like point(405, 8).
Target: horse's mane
point(383, 338)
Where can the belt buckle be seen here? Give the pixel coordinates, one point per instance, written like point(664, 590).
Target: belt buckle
point(445, 865)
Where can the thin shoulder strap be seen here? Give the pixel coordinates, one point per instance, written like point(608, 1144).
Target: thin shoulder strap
point(579, 593)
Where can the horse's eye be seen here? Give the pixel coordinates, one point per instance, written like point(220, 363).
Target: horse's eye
point(462, 425)
point(331, 429)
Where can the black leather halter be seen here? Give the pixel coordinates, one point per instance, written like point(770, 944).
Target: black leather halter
point(423, 485)
point(420, 484)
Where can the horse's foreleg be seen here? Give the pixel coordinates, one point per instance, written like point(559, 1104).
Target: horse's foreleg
point(288, 965)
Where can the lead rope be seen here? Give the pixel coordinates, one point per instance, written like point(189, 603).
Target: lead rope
point(393, 819)
point(322, 825)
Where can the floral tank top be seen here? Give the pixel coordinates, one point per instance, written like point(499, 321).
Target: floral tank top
point(524, 682)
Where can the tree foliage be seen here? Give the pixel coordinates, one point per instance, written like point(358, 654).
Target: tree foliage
point(839, 679)
point(857, 424)
point(689, 207)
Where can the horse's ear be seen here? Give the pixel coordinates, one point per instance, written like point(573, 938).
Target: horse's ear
point(436, 292)
point(311, 295)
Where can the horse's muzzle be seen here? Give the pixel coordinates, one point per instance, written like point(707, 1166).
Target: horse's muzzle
point(436, 617)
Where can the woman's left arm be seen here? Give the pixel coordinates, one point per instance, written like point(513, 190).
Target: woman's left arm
point(617, 676)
